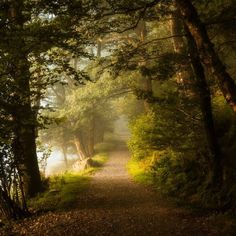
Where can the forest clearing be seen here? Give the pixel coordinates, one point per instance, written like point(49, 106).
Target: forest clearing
point(117, 117)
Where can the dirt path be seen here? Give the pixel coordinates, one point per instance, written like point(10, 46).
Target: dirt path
point(115, 205)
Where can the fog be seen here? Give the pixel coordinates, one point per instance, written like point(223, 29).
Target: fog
point(121, 128)
point(56, 163)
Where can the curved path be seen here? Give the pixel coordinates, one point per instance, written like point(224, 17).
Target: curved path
point(115, 205)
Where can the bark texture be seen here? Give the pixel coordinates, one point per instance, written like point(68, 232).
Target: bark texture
point(141, 31)
point(24, 149)
point(208, 55)
point(185, 72)
point(206, 108)
point(23, 115)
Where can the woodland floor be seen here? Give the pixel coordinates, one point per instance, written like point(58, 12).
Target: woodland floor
point(115, 205)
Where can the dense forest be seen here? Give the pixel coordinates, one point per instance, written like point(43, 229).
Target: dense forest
point(70, 69)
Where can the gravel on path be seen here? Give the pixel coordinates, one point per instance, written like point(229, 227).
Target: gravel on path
point(115, 205)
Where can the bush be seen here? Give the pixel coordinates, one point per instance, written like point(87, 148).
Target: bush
point(141, 170)
point(142, 137)
point(175, 174)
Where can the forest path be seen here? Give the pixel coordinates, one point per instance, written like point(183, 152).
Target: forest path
point(115, 205)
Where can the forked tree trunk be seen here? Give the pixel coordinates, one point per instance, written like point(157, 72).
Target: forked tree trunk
point(206, 108)
point(208, 55)
point(81, 151)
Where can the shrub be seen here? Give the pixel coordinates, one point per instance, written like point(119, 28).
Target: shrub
point(143, 130)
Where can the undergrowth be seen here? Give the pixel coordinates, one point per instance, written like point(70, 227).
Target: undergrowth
point(63, 189)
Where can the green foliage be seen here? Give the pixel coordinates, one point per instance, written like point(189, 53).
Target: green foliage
point(169, 145)
point(177, 174)
point(170, 172)
point(141, 171)
point(83, 112)
point(143, 131)
point(47, 44)
point(164, 147)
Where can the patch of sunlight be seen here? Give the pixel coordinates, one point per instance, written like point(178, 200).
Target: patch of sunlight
point(140, 172)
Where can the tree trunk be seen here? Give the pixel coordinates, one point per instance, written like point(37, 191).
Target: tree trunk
point(149, 92)
point(25, 132)
point(80, 148)
point(24, 117)
point(184, 73)
point(24, 149)
point(203, 93)
point(147, 81)
point(208, 55)
point(206, 108)
point(91, 134)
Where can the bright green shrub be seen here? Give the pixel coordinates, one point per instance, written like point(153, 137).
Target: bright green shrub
point(143, 132)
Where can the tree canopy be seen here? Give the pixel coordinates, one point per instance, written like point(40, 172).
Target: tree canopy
point(70, 69)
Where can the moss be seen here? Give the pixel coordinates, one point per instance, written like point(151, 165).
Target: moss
point(62, 192)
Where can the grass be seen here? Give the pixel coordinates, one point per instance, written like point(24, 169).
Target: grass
point(140, 171)
point(64, 189)
point(62, 192)
point(99, 160)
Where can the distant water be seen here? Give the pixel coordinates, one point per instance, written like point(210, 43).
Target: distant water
point(56, 163)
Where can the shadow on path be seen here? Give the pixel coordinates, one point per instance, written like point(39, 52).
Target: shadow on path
point(115, 205)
